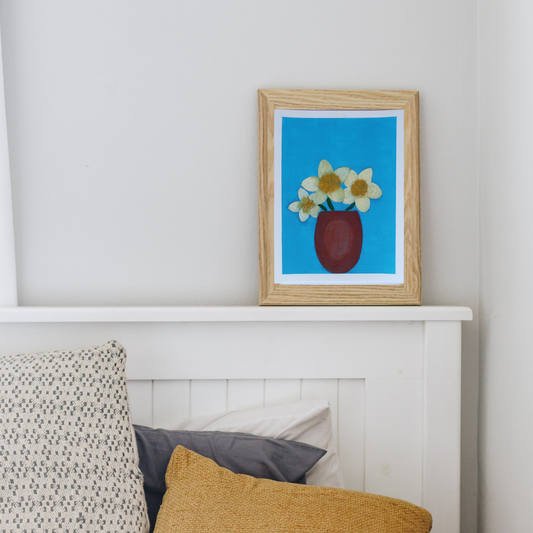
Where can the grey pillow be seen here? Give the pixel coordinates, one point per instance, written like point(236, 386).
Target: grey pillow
point(242, 453)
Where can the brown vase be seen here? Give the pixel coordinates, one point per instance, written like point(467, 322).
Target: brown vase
point(338, 240)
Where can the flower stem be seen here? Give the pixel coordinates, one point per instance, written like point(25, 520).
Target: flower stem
point(350, 207)
point(330, 205)
point(322, 207)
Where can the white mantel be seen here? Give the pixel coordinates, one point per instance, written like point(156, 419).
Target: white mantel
point(234, 314)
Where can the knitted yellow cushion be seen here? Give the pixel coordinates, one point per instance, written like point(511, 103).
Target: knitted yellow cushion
point(203, 497)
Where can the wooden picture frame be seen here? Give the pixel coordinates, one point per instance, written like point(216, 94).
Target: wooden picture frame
point(371, 138)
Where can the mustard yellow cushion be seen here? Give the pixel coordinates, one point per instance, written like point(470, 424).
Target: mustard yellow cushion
point(204, 497)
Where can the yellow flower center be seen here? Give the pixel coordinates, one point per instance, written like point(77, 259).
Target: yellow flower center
point(307, 204)
point(329, 183)
point(359, 188)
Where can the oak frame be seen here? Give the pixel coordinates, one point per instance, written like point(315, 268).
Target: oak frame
point(407, 293)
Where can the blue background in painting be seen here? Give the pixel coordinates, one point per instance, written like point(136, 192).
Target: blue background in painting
point(357, 143)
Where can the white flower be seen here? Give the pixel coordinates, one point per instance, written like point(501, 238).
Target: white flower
point(306, 206)
point(328, 183)
point(360, 189)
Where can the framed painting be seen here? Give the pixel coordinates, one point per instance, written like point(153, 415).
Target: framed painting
point(339, 202)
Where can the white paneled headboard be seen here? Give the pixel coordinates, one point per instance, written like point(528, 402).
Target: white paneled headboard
point(391, 374)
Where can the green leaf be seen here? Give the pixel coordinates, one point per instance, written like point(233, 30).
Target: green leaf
point(350, 207)
point(322, 207)
point(330, 205)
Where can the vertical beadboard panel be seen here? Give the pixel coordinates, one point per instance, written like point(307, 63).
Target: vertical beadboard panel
point(328, 389)
point(393, 438)
point(140, 396)
point(351, 436)
point(171, 402)
point(442, 436)
point(245, 394)
point(208, 396)
point(279, 391)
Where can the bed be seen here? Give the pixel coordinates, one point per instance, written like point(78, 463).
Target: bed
point(390, 374)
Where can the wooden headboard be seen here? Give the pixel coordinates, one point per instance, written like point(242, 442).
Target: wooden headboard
point(392, 376)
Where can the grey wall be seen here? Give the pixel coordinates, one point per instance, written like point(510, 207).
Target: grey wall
point(506, 167)
point(132, 129)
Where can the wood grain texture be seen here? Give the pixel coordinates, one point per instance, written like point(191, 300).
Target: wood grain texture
point(413, 268)
point(304, 99)
point(408, 293)
point(266, 197)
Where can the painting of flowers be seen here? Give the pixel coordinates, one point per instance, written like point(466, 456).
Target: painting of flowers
point(346, 165)
point(339, 198)
point(339, 237)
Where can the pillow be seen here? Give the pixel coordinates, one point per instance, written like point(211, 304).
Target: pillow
point(68, 454)
point(241, 453)
point(306, 421)
point(203, 496)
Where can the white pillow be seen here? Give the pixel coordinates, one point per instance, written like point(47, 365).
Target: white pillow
point(308, 421)
point(68, 458)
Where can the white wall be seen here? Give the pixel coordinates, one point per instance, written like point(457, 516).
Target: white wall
point(506, 170)
point(8, 275)
point(133, 143)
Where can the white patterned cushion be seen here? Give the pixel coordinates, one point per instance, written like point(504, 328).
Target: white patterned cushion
point(67, 454)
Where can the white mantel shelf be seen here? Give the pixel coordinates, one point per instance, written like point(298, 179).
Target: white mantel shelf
point(233, 314)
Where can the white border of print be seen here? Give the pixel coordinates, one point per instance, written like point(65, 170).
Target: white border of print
point(340, 279)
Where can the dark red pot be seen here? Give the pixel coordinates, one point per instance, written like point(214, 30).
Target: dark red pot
point(338, 240)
